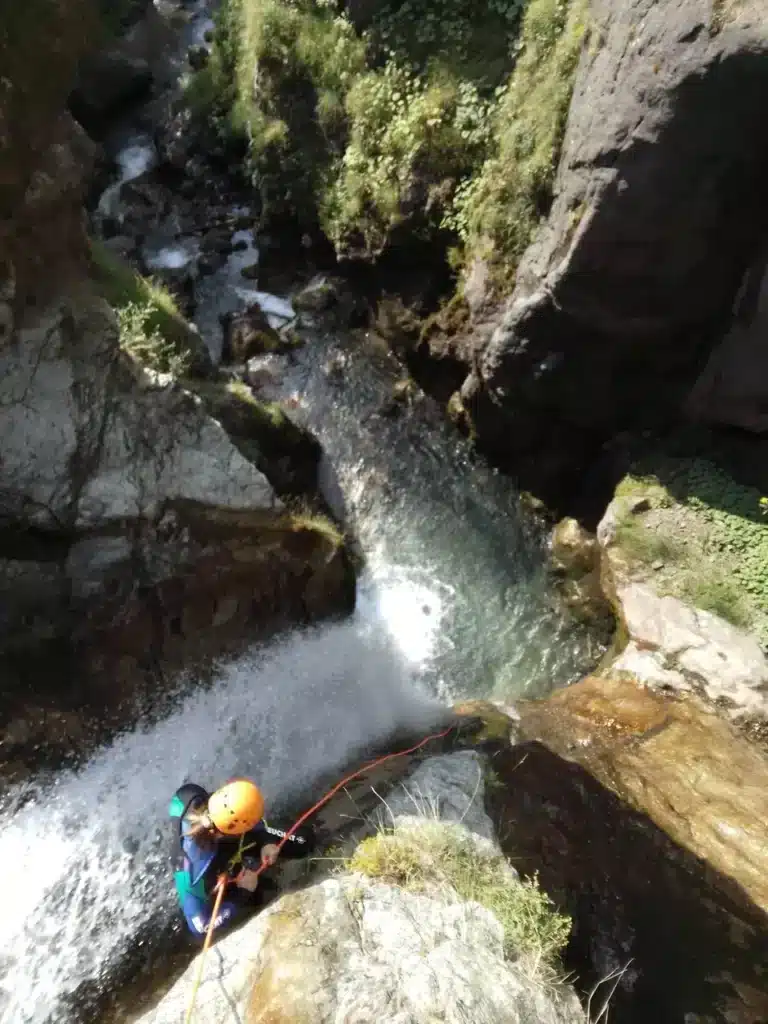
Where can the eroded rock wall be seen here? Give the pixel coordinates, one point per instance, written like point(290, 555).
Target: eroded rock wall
point(135, 537)
point(646, 816)
point(659, 208)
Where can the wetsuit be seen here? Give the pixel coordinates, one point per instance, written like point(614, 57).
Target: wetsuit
point(197, 867)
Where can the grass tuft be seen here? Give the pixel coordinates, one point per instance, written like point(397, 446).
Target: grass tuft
point(645, 545)
point(442, 858)
point(146, 344)
point(498, 210)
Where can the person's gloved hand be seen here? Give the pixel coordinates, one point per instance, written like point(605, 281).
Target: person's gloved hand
point(248, 879)
point(269, 854)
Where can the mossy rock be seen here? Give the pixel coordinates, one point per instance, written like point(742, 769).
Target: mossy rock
point(575, 552)
point(249, 334)
point(696, 534)
point(490, 723)
point(585, 598)
point(286, 453)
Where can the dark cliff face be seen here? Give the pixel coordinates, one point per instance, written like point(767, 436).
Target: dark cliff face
point(659, 208)
point(41, 43)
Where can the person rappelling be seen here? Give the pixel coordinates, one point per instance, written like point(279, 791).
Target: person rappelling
point(222, 846)
point(222, 839)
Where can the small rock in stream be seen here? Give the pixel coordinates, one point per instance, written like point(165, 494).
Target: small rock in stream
point(197, 57)
point(248, 334)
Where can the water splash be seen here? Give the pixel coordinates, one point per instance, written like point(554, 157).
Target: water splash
point(170, 257)
point(92, 848)
point(134, 156)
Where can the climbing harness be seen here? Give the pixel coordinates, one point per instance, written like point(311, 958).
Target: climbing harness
point(224, 879)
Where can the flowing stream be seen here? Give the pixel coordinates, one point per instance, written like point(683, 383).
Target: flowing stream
point(453, 602)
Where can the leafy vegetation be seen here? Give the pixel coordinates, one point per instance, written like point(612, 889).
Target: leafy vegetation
point(146, 344)
point(152, 328)
point(497, 211)
point(441, 858)
point(710, 533)
point(416, 119)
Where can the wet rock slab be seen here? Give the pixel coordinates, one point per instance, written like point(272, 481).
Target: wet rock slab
point(648, 816)
point(137, 537)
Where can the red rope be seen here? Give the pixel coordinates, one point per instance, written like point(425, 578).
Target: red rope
point(348, 778)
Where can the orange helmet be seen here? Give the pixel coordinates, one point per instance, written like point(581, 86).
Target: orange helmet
point(236, 807)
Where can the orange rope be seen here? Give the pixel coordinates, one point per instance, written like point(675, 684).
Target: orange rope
point(224, 881)
point(348, 778)
point(221, 886)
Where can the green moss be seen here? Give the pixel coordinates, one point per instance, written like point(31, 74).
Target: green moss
point(306, 519)
point(645, 545)
point(721, 595)
point(709, 531)
point(500, 208)
point(647, 487)
point(441, 858)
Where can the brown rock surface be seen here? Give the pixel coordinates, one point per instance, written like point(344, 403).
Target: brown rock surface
point(648, 818)
point(249, 334)
point(674, 760)
point(575, 565)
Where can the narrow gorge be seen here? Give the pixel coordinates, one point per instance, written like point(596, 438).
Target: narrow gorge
point(378, 375)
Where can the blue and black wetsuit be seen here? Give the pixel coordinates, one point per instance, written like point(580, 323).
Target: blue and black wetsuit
point(197, 866)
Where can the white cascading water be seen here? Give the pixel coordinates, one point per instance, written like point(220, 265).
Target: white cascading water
point(87, 859)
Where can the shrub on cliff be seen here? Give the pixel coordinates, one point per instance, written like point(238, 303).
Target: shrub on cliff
point(414, 121)
point(498, 209)
point(146, 344)
point(152, 328)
